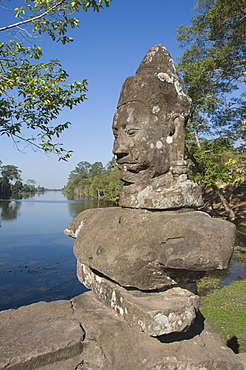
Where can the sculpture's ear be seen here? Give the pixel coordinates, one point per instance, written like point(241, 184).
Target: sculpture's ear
point(172, 126)
point(172, 122)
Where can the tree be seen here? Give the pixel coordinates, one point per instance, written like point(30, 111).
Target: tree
point(212, 69)
point(5, 188)
point(17, 187)
point(111, 164)
point(213, 65)
point(11, 172)
point(96, 169)
point(31, 182)
point(11, 183)
point(40, 88)
point(105, 185)
point(217, 34)
point(92, 181)
point(10, 176)
point(81, 171)
point(29, 187)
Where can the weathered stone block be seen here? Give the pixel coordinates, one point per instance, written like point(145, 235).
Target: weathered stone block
point(39, 334)
point(109, 343)
point(156, 313)
point(151, 250)
point(126, 347)
point(164, 192)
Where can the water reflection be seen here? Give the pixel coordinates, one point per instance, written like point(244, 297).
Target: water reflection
point(36, 258)
point(9, 210)
point(75, 207)
point(235, 272)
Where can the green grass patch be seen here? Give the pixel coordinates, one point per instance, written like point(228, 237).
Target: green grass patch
point(239, 257)
point(225, 310)
point(210, 281)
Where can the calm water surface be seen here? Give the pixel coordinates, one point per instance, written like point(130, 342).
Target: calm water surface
point(36, 258)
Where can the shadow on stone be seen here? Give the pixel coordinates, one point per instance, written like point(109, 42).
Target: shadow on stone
point(195, 329)
point(233, 344)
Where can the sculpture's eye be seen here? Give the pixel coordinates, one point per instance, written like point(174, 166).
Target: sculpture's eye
point(115, 132)
point(132, 131)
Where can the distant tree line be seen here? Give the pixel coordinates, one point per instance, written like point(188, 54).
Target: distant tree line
point(11, 183)
point(93, 181)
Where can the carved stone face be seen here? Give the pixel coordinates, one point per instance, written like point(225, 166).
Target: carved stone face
point(141, 145)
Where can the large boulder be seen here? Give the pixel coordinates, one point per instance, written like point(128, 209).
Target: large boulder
point(151, 250)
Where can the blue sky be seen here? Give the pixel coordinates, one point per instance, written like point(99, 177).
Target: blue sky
point(107, 47)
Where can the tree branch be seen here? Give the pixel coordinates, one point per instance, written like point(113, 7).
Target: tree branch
point(193, 159)
point(29, 20)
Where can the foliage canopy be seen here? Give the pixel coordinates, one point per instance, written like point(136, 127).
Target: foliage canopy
point(212, 72)
point(94, 181)
point(212, 67)
point(33, 94)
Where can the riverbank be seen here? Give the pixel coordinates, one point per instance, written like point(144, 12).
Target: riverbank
point(224, 306)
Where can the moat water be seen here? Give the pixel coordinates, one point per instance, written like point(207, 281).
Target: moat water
point(36, 258)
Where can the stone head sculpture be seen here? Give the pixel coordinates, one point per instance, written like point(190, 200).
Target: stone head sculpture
point(149, 131)
point(149, 122)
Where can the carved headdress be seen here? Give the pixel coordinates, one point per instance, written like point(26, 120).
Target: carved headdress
point(156, 85)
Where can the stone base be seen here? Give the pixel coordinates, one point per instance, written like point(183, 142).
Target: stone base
point(163, 192)
point(49, 336)
point(156, 313)
point(123, 347)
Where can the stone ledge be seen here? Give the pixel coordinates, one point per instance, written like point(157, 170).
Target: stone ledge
point(156, 313)
point(39, 334)
point(110, 344)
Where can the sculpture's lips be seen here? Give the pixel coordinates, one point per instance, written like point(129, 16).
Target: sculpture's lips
point(130, 166)
point(125, 163)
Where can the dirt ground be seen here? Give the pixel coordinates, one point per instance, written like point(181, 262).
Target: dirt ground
point(213, 206)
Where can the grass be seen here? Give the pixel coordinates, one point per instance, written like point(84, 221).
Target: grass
point(225, 310)
point(210, 281)
point(240, 256)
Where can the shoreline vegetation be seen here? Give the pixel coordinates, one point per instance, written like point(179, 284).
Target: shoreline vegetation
point(93, 181)
point(224, 309)
point(11, 184)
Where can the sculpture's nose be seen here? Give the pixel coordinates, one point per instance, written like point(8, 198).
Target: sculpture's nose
point(120, 147)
